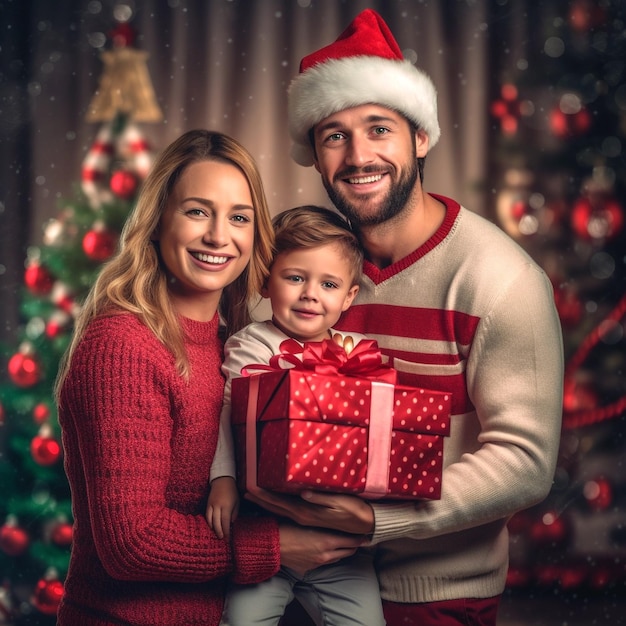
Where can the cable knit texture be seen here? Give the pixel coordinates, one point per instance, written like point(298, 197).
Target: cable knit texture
point(138, 443)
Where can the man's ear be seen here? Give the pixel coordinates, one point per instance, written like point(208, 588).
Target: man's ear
point(350, 296)
point(421, 143)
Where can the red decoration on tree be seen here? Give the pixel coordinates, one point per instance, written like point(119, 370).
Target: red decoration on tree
point(44, 448)
point(24, 369)
point(62, 534)
point(124, 184)
point(47, 595)
point(578, 396)
point(62, 297)
point(507, 109)
point(569, 124)
point(551, 528)
point(99, 243)
point(38, 279)
point(59, 322)
point(13, 539)
point(580, 403)
point(525, 216)
point(598, 493)
point(598, 218)
point(41, 413)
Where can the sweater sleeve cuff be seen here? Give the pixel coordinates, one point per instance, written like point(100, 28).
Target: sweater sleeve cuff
point(256, 549)
point(392, 521)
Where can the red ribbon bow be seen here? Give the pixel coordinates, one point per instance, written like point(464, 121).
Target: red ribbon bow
point(328, 358)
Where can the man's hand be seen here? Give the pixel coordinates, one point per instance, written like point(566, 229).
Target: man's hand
point(223, 505)
point(348, 514)
point(304, 549)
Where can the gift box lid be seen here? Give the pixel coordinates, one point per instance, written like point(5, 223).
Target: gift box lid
point(302, 395)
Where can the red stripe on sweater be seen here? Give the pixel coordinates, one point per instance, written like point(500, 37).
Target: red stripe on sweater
point(410, 322)
point(450, 333)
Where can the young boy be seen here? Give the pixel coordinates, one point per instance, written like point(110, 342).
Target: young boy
point(313, 279)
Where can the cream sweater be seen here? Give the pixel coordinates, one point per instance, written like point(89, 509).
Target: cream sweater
point(471, 313)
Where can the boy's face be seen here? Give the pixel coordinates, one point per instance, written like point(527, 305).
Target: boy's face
point(309, 289)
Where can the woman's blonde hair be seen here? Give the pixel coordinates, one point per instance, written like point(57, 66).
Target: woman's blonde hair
point(135, 281)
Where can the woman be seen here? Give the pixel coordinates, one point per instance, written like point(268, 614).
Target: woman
point(140, 392)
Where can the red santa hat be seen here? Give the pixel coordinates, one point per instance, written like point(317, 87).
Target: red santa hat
point(363, 66)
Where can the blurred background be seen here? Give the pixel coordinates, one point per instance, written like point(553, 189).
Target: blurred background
point(532, 106)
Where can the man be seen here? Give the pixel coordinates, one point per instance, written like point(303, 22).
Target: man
point(456, 306)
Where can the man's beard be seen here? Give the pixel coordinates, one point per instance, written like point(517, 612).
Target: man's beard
point(391, 205)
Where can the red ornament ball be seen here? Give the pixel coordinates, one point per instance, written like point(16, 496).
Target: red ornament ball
point(45, 450)
point(124, 184)
point(598, 220)
point(13, 539)
point(38, 279)
point(47, 596)
point(569, 124)
point(24, 370)
point(41, 413)
point(99, 244)
point(62, 534)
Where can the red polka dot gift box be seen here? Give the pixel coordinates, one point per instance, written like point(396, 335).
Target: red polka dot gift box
point(333, 421)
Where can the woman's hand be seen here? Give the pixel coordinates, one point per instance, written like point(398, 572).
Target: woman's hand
point(348, 514)
point(304, 549)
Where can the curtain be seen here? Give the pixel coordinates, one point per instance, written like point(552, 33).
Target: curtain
point(224, 65)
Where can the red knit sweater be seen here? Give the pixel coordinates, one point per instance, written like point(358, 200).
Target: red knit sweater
point(138, 443)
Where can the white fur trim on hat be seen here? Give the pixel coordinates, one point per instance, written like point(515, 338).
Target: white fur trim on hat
point(338, 84)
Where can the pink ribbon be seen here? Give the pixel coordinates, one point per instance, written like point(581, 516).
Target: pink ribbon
point(251, 456)
point(379, 441)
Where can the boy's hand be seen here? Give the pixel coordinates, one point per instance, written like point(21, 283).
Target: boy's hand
point(223, 505)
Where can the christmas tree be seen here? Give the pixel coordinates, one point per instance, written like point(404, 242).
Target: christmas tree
point(561, 122)
point(35, 510)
